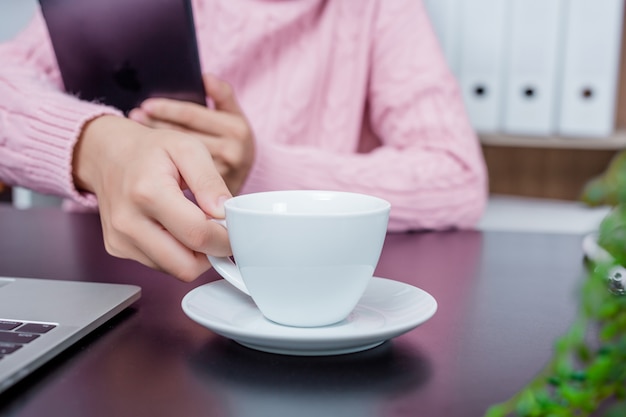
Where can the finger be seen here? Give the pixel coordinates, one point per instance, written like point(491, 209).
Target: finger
point(171, 256)
point(123, 243)
point(222, 164)
point(213, 143)
point(140, 116)
point(222, 94)
point(192, 116)
point(117, 244)
point(189, 225)
point(159, 124)
point(223, 153)
point(182, 217)
point(123, 248)
point(158, 249)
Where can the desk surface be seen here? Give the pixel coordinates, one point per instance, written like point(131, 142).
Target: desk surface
point(503, 299)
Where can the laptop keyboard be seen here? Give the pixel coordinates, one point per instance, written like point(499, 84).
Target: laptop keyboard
point(15, 334)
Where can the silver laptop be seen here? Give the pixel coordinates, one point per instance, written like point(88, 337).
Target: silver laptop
point(39, 318)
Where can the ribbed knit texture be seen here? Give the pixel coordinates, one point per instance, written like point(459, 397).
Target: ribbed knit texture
point(341, 94)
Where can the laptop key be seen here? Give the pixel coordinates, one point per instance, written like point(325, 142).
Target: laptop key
point(9, 325)
point(38, 328)
point(6, 348)
point(17, 337)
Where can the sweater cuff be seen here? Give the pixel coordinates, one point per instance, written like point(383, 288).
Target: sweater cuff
point(51, 136)
point(269, 171)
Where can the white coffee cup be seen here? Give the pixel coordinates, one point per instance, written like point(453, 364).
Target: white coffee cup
point(304, 256)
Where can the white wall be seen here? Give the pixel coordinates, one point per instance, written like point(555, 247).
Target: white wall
point(14, 14)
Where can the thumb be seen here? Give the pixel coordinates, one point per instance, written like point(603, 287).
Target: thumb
point(222, 94)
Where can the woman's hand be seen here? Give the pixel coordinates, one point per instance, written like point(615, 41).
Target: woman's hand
point(224, 130)
point(139, 176)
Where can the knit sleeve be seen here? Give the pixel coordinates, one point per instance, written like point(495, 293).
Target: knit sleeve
point(428, 163)
point(39, 122)
point(431, 152)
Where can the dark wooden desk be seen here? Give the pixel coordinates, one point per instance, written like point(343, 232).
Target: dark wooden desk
point(503, 299)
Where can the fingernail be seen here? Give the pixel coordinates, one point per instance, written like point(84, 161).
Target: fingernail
point(220, 212)
point(136, 115)
point(148, 105)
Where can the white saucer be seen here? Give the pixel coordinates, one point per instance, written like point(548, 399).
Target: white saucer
point(593, 250)
point(386, 310)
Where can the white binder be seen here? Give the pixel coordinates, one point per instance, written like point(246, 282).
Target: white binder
point(445, 17)
point(532, 67)
point(482, 42)
point(590, 67)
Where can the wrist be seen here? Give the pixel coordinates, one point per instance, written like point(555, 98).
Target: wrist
point(92, 147)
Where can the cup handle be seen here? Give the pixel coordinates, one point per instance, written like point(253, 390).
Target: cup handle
point(227, 268)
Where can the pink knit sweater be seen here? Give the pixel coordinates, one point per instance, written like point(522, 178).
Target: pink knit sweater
point(341, 94)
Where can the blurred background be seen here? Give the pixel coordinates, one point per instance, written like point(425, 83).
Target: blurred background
point(542, 84)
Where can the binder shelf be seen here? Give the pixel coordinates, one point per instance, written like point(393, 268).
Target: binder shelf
point(613, 142)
